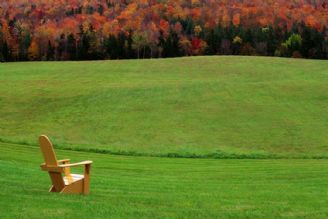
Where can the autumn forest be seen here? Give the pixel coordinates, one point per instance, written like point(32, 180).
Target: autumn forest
point(124, 29)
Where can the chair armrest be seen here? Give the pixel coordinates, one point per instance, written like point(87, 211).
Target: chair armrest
point(63, 161)
point(76, 164)
point(51, 168)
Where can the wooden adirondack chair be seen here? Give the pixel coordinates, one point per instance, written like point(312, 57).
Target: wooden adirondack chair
point(59, 171)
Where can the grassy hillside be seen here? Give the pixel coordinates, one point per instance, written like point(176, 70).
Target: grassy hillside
point(141, 187)
point(200, 106)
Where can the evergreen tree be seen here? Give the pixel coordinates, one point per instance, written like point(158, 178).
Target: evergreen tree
point(6, 52)
point(170, 45)
point(50, 52)
point(71, 47)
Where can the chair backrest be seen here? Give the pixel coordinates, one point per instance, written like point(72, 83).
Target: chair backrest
point(51, 160)
point(47, 151)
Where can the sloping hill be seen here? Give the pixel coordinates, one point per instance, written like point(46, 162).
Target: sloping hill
point(199, 106)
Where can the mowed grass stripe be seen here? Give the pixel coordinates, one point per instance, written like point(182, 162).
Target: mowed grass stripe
point(130, 187)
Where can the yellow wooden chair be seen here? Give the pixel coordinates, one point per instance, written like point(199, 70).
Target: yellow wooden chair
point(59, 171)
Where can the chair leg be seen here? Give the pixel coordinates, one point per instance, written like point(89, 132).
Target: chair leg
point(52, 189)
point(86, 180)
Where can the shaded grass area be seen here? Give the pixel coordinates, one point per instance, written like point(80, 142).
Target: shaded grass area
point(187, 107)
point(215, 155)
point(148, 187)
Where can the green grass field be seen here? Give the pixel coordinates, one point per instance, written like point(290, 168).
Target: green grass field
point(150, 110)
point(200, 106)
point(148, 187)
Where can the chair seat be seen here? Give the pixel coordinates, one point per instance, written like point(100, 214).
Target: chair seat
point(75, 177)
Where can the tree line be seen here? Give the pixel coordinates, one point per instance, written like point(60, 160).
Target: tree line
point(117, 29)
